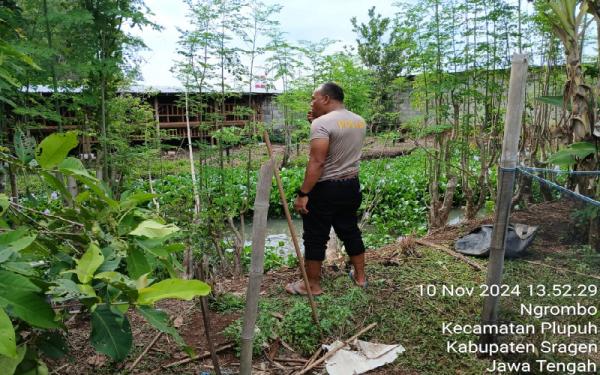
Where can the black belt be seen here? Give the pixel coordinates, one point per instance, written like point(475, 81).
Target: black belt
point(345, 179)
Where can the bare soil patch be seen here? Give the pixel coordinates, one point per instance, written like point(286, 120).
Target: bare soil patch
point(553, 219)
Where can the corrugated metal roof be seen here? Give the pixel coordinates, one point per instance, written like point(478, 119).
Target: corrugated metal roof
point(140, 89)
point(48, 90)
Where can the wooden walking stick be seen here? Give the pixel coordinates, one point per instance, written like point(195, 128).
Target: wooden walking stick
point(292, 231)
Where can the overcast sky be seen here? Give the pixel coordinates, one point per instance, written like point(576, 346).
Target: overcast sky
point(302, 19)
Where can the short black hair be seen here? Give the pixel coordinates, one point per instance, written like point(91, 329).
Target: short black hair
point(333, 90)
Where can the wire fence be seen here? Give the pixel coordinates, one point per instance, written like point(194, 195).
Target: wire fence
point(529, 172)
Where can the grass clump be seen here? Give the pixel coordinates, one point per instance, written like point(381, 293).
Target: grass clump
point(297, 328)
point(227, 302)
point(265, 328)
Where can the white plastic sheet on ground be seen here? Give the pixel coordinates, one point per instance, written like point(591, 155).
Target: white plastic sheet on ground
point(361, 357)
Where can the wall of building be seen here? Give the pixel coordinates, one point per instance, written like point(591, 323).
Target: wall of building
point(272, 113)
point(402, 104)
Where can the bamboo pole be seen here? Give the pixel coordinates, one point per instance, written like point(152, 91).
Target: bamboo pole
point(157, 118)
point(292, 231)
point(188, 260)
point(259, 232)
point(506, 180)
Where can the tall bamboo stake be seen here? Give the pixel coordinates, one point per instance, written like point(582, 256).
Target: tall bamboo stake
point(292, 231)
point(259, 232)
point(188, 258)
point(506, 181)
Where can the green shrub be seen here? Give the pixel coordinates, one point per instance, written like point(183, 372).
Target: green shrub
point(394, 192)
point(297, 327)
point(99, 250)
point(227, 302)
point(299, 330)
point(266, 325)
point(273, 258)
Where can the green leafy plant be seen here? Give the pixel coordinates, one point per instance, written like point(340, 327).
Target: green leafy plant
point(297, 327)
point(273, 258)
point(570, 155)
point(94, 249)
point(266, 326)
point(227, 302)
point(557, 100)
point(396, 188)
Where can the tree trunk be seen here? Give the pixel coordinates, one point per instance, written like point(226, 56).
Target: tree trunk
point(579, 95)
point(52, 67)
point(287, 138)
point(103, 130)
point(72, 186)
point(3, 139)
point(238, 245)
point(188, 262)
point(3, 169)
point(215, 240)
point(439, 211)
point(14, 192)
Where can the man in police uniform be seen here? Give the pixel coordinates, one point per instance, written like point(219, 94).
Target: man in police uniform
point(330, 194)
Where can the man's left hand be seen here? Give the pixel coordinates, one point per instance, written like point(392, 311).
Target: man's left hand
point(300, 205)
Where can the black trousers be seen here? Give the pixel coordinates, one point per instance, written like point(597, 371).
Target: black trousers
point(332, 203)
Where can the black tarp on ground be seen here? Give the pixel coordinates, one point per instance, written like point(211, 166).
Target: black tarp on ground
point(478, 241)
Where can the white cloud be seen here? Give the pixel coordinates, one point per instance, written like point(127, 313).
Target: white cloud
point(302, 19)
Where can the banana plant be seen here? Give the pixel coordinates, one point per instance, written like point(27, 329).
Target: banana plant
point(566, 18)
point(94, 251)
point(573, 154)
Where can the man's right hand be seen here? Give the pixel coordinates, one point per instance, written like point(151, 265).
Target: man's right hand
point(300, 205)
point(309, 116)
